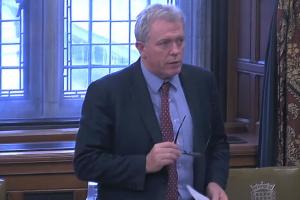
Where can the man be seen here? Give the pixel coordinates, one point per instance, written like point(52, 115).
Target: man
point(122, 141)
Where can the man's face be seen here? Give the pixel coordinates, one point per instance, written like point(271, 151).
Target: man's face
point(162, 53)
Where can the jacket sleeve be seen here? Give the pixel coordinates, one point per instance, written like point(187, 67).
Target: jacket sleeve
point(218, 147)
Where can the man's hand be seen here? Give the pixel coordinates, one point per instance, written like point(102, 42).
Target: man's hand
point(161, 154)
point(215, 192)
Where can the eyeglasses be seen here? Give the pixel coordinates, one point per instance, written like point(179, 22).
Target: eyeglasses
point(184, 152)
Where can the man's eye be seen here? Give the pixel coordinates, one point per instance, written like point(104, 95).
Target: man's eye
point(179, 41)
point(164, 43)
point(168, 43)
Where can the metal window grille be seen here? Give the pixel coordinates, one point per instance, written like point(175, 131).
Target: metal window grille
point(99, 39)
point(11, 50)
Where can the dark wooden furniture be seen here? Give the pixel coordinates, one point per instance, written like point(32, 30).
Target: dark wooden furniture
point(42, 168)
point(2, 189)
point(248, 31)
point(40, 173)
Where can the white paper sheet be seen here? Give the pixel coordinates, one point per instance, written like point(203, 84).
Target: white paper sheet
point(196, 195)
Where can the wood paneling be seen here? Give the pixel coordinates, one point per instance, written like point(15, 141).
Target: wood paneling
point(249, 22)
point(30, 172)
point(34, 170)
point(243, 95)
point(244, 30)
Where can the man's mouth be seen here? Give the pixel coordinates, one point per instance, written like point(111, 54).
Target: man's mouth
point(174, 62)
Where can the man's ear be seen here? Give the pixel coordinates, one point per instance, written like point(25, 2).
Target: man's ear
point(140, 47)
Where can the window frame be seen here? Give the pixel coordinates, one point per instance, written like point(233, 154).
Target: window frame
point(43, 60)
point(10, 107)
point(43, 23)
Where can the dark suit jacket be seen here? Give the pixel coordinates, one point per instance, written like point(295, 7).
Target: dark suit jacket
point(118, 127)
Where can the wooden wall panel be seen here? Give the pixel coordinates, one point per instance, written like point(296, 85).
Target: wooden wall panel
point(32, 175)
point(247, 49)
point(29, 172)
point(250, 79)
point(243, 95)
point(245, 29)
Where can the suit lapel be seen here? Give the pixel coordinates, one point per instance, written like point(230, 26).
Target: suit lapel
point(142, 100)
point(195, 100)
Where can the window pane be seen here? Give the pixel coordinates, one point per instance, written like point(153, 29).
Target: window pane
point(162, 1)
point(115, 69)
point(136, 7)
point(10, 79)
point(132, 35)
point(73, 83)
point(116, 29)
point(80, 32)
point(80, 9)
point(79, 79)
point(99, 72)
point(10, 55)
point(101, 9)
point(14, 33)
point(100, 32)
point(80, 55)
point(66, 79)
point(100, 55)
point(134, 54)
point(119, 55)
point(65, 57)
point(9, 10)
point(120, 10)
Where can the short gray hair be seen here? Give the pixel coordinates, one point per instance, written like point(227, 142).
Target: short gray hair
point(152, 13)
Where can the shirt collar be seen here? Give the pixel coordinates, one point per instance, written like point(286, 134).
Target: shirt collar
point(154, 82)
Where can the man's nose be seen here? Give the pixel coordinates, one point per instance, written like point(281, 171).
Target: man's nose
point(175, 48)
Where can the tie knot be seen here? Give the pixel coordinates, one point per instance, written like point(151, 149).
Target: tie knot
point(165, 86)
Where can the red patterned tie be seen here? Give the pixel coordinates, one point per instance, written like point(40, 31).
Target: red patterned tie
point(167, 135)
